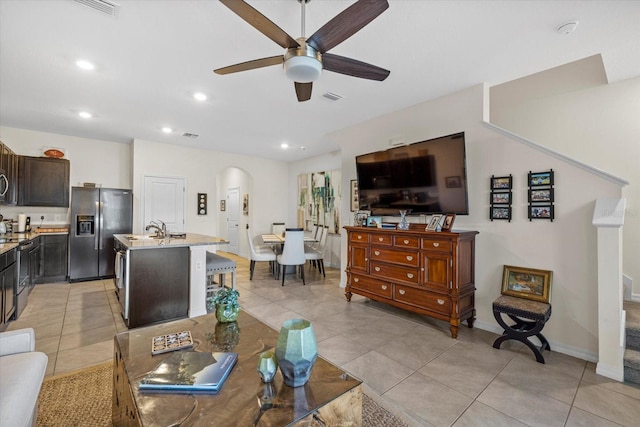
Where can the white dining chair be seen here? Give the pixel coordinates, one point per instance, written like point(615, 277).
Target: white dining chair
point(292, 253)
point(316, 255)
point(260, 253)
point(277, 228)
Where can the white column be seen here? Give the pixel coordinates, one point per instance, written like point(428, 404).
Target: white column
point(197, 281)
point(608, 217)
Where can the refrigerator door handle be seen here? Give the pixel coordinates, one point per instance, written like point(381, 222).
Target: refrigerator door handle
point(96, 234)
point(101, 221)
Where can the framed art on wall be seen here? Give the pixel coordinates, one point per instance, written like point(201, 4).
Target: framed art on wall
point(354, 195)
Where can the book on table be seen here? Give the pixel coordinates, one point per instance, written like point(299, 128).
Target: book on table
point(190, 372)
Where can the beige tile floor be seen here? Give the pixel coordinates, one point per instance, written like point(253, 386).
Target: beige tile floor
point(409, 363)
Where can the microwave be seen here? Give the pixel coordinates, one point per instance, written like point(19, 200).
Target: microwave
point(4, 186)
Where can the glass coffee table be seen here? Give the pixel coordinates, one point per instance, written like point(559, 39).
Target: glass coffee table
point(331, 397)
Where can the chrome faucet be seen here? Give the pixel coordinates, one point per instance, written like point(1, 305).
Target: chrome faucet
point(160, 227)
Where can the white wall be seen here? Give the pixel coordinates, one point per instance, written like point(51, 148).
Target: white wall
point(103, 162)
point(203, 170)
point(596, 125)
point(567, 246)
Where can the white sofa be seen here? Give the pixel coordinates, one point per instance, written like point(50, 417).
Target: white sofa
point(22, 371)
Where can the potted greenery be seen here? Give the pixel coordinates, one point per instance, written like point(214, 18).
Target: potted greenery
point(225, 303)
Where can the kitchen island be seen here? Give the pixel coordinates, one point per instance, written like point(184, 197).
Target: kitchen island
point(162, 279)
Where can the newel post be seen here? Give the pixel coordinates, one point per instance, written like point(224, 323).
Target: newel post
point(608, 218)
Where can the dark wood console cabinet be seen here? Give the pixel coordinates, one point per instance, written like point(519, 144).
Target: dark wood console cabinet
point(426, 272)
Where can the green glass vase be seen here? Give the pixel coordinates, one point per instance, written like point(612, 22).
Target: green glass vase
point(296, 351)
point(227, 312)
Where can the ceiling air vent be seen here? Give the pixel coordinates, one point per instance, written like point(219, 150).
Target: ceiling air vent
point(190, 135)
point(332, 96)
point(104, 6)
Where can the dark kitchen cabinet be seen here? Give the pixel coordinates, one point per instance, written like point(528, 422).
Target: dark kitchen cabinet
point(54, 250)
point(9, 164)
point(43, 181)
point(8, 284)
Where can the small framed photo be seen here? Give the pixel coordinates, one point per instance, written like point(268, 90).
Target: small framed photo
point(354, 195)
point(527, 283)
point(453, 181)
point(501, 182)
point(447, 224)
point(544, 195)
point(500, 212)
point(223, 205)
point(541, 212)
point(537, 179)
point(434, 223)
point(374, 221)
point(501, 198)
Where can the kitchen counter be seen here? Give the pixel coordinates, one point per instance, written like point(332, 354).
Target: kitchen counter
point(9, 241)
point(148, 242)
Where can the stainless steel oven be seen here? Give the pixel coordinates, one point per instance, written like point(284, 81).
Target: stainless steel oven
point(24, 281)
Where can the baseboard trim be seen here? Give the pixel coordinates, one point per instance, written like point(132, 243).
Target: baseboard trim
point(560, 348)
point(610, 372)
point(635, 297)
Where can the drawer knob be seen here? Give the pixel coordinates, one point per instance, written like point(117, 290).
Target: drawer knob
point(359, 237)
point(377, 268)
point(401, 291)
point(409, 258)
point(376, 252)
point(436, 244)
point(384, 287)
point(440, 301)
point(355, 279)
point(366, 259)
point(380, 239)
point(410, 275)
point(406, 242)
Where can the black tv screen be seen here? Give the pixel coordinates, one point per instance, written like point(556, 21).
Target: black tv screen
point(425, 177)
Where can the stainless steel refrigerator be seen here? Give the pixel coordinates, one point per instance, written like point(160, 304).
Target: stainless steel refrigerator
point(96, 215)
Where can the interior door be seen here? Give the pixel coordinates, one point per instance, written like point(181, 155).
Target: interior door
point(233, 219)
point(164, 200)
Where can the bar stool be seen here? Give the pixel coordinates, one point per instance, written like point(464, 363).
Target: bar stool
point(529, 317)
point(219, 265)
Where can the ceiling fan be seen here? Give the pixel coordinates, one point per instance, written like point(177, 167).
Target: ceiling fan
point(303, 59)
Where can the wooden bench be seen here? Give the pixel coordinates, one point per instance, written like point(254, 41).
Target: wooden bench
point(529, 317)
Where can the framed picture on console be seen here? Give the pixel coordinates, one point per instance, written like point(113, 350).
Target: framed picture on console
point(434, 223)
point(527, 283)
point(447, 223)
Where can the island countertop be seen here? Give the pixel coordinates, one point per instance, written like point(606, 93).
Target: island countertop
point(139, 241)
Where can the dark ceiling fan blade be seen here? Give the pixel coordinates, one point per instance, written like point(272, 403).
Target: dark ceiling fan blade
point(352, 67)
point(251, 65)
point(303, 91)
point(346, 23)
point(261, 23)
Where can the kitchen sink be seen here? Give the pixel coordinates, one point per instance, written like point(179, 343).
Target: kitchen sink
point(141, 237)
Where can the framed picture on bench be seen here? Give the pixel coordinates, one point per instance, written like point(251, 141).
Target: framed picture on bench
point(528, 283)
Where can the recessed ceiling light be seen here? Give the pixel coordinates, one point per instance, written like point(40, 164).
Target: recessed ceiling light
point(85, 65)
point(284, 145)
point(303, 148)
point(167, 129)
point(200, 96)
point(85, 115)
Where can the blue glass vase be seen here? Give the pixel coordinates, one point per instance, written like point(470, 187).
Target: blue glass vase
point(296, 351)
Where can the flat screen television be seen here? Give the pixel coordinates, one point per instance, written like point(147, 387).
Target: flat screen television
point(425, 177)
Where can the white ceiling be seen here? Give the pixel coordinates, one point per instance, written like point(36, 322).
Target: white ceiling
point(154, 55)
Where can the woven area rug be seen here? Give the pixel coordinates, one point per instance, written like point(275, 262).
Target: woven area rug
point(83, 398)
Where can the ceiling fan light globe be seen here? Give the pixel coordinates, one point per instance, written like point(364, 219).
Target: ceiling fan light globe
point(303, 69)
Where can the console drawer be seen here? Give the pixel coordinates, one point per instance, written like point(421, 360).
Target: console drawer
point(373, 286)
point(359, 237)
point(440, 245)
point(408, 258)
point(423, 299)
point(407, 242)
point(381, 239)
point(395, 273)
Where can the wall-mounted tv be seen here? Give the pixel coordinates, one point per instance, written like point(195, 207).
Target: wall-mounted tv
point(425, 177)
